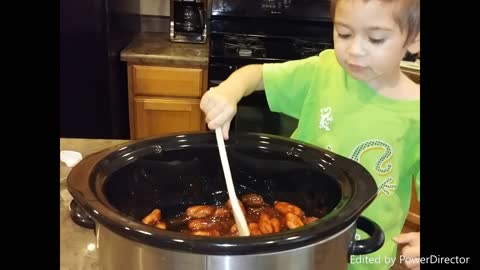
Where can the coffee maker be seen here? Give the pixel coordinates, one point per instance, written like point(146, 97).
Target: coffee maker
point(188, 21)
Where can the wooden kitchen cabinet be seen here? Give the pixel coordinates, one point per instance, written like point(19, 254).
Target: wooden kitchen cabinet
point(165, 99)
point(412, 73)
point(157, 116)
point(414, 76)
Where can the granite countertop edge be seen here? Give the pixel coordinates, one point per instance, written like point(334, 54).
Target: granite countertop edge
point(157, 49)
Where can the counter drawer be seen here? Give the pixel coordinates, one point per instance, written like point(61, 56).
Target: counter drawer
point(166, 81)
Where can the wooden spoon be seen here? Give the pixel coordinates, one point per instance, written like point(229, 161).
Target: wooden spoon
point(237, 211)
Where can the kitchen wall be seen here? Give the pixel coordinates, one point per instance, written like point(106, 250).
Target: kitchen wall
point(155, 7)
point(155, 15)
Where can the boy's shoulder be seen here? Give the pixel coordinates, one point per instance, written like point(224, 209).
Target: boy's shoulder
point(325, 60)
point(321, 63)
point(327, 56)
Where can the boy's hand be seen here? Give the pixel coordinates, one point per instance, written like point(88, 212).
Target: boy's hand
point(219, 108)
point(411, 251)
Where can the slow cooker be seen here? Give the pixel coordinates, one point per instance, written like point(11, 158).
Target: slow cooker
point(117, 187)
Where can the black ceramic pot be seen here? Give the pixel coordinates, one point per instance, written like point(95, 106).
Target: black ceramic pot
point(119, 186)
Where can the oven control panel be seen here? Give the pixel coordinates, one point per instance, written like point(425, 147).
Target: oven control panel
point(300, 10)
point(275, 6)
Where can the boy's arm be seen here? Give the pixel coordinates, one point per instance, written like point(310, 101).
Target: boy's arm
point(220, 103)
point(243, 81)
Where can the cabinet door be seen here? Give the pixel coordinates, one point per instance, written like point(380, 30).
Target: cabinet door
point(161, 116)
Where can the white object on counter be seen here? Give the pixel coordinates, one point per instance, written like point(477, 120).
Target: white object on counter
point(70, 158)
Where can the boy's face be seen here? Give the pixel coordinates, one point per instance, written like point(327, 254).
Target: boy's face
point(368, 42)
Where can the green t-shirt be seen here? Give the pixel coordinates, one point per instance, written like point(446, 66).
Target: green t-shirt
point(346, 116)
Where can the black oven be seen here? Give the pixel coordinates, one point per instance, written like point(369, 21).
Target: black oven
point(264, 31)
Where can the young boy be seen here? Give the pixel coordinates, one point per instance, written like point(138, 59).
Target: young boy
point(355, 101)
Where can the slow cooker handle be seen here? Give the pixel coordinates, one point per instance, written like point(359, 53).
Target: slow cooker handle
point(80, 216)
point(372, 244)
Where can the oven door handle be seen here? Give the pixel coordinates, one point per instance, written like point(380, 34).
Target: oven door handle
point(215, 82)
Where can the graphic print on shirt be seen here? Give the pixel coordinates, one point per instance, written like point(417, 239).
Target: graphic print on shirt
point(382, 166)
point(325, 118)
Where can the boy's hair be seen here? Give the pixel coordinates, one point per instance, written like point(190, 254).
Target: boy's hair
point(408, 16)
